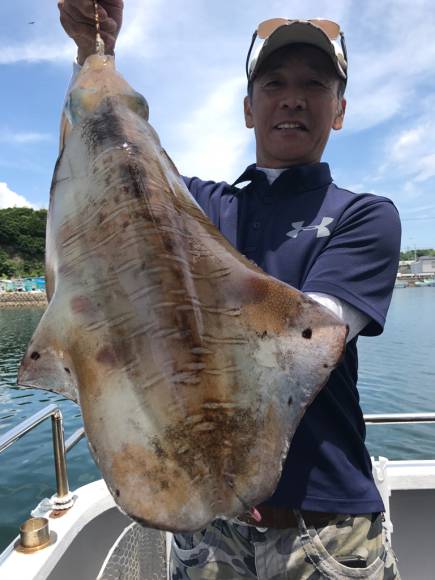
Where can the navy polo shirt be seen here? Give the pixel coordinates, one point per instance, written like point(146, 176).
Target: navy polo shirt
point(317, 237)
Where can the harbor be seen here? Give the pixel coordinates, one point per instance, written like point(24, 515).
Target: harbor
point(412, 281)
point(21, 292)
point(416, 273)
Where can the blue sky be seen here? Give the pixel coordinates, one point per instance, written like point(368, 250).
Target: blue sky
point(187, 58)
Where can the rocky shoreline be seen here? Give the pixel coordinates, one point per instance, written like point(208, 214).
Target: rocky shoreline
point(17, 299)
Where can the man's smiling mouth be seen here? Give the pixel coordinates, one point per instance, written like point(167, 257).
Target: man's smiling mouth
point(291, 125)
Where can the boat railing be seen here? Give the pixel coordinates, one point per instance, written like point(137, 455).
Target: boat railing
point(63, 497)
point(74, 439)
point(395, 418)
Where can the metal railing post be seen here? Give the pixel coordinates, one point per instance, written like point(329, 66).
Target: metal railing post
point(63, 498)
point(59, 456)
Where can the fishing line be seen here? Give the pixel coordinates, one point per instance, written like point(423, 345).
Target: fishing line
point(99, 42)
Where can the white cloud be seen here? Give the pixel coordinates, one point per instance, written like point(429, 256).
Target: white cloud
point(42, 41)
point(426, 169)
point(9, 198)
point(213, 139)
point(421, 209)
point(140, 18)
point(24, 137)
point(407, 141)
point(391, 56)
point(370, 104)
point(410, 151)
point(37, 51)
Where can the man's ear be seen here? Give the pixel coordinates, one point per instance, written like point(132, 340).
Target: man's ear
point(339, 118)
point(249, 118)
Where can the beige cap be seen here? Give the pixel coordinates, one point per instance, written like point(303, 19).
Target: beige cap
point(298, 32)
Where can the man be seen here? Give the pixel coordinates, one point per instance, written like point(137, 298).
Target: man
point(325, 518)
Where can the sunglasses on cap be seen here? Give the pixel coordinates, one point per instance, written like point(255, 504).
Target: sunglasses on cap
point(331, 29)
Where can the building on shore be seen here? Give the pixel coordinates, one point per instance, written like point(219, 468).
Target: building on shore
point(424, 265)
point(5, 285)
point(404, 267)
point(30, 284)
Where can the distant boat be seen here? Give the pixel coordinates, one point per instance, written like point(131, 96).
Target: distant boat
point(426, 282)
point(400, 284)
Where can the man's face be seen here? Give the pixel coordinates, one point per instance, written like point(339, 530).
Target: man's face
point(293, 107)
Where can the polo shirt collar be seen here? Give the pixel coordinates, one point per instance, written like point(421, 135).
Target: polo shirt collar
point(298, 178)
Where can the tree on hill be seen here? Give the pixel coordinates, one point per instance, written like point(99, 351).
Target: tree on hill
point(412, 254)
point(22, 241)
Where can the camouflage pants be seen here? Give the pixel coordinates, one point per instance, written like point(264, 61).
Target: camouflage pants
point(349, 547)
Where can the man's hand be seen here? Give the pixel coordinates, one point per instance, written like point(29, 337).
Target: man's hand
point(78, 20)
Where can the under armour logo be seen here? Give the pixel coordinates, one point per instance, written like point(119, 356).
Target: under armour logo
point(322, 230)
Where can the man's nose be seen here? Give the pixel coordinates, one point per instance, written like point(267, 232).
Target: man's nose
point(295, 101)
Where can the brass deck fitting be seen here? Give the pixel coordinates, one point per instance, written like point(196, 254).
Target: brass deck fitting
point(34, 535)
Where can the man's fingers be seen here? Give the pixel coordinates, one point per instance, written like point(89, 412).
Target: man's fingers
point(74, 17)
point(108, 8)
point(107, 24)
point(78, 19)
point(117, 4)
point(115, 9)
point(83, 8)
point(80, 14)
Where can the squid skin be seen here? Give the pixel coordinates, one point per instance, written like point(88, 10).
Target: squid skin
point(192, 367)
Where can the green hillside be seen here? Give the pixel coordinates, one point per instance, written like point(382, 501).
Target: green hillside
point(22, 242)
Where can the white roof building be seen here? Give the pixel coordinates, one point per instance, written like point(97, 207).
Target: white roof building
point(424, 265)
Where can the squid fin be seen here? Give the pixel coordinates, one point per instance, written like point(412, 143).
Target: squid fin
point(45, 366)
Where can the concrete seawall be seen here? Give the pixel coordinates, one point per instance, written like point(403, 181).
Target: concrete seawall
point(17, 299)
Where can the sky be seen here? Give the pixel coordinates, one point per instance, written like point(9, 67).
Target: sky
point(187, 58)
